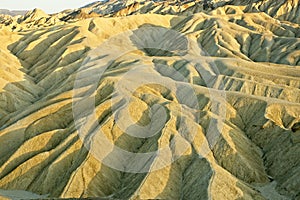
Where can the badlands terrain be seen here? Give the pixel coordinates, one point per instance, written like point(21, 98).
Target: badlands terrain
point(152, 100)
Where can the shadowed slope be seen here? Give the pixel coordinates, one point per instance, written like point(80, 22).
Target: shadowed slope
point(239, 128)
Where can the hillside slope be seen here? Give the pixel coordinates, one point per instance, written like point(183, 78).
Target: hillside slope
point(160, 103)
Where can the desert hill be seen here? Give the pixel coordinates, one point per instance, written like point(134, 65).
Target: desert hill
point(152, 100)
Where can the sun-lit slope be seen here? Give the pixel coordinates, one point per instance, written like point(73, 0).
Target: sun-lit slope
point(252, 100)
point(283, 10)
point(287, 10)
point(15, 91)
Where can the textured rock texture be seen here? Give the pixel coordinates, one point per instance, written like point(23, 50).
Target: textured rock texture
point(215, 93)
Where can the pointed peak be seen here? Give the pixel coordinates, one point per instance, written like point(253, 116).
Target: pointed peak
point(36, 13)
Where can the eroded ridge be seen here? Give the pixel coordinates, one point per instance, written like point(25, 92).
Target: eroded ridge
point(226, 86)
